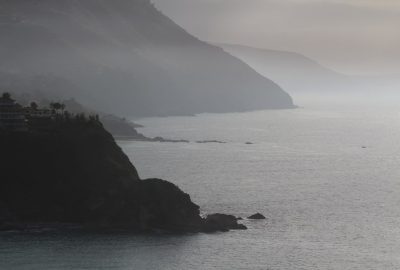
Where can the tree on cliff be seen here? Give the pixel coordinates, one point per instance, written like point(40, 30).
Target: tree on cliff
point(6, 96)
point(34, 106)
point(57, 106)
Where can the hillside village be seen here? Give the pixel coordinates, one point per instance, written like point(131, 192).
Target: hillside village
point(17, 118)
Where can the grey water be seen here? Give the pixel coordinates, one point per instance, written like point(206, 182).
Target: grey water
point(326, 176)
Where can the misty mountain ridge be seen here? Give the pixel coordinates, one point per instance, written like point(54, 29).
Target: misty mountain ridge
point(297, 73)
point(293, 71)
point(124, 57)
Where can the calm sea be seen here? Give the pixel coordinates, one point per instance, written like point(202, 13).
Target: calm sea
point(327, 177)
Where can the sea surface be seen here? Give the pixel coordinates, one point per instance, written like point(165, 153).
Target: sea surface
point(326, 176)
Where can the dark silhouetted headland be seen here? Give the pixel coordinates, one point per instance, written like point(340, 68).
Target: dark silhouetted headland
point(72, 171)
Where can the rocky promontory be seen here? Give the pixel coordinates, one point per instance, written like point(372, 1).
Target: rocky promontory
point(72, 171)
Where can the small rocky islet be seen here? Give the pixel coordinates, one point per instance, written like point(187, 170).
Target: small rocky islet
point(257, 216)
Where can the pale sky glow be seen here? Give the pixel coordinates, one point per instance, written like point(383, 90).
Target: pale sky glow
point(353, 36)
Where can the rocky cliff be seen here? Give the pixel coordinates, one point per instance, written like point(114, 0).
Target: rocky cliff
point(74, 172)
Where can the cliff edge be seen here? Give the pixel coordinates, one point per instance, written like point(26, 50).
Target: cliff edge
point(72, 171)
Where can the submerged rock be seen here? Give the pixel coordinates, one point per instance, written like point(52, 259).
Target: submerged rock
point(161, 139)
point(257, 216)
point(211, 141)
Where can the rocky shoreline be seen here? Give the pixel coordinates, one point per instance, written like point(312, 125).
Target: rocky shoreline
point(210, 224)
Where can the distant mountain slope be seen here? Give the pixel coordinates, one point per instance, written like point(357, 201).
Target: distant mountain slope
point(125, 57)
point(293, 71)
point(299, 74)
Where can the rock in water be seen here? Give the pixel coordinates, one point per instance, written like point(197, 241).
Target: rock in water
point(211, 141)
point(257, 216)
point(221, 222)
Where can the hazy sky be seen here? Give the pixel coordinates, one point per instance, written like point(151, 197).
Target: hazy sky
point(354, 36)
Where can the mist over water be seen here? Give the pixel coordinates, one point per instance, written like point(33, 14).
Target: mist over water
point(326, 175)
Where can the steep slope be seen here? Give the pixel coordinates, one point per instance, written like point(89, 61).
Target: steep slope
point(294, 72)
point(125, 57)
point(74, 172)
